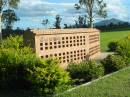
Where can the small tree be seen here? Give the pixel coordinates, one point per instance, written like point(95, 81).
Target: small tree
point(45, 22)
point(8, 18)
point(81, 22)
point(3, 5)
point(58, 21)
point(93, 8)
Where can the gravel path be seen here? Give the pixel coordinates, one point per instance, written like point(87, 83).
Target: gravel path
point(104, 55)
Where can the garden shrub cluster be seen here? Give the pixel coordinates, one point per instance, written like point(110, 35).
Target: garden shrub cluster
point(121, 58)
point(112, 46)
point(87, 70)
point(113, 63)
point(121, 48)
point(12, 42)
point(20, 69)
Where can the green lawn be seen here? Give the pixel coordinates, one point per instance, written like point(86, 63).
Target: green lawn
point(116, 85)
point(107, 37)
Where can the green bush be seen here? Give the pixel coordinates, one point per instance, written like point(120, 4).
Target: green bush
point(27, 72)
point(13, 67)
point(86, 70)
point(113, 63)
point(123, 48)
point(12, 42)
point(112, 46)
point(21, 69)
point(49, 78)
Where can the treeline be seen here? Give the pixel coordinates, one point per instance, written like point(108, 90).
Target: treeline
point(81, 23)
point(12, 32)
point(114, 27)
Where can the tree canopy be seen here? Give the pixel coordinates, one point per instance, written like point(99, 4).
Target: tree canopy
point(93, 8)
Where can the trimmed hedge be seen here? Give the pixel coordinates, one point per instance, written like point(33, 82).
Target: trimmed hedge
point(86, 70)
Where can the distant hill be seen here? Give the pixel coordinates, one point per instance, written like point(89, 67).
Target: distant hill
point(109, 21)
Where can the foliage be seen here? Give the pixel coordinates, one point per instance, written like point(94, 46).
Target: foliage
point(12, 42)
point(14, 65)
point(45, 22)
point(113, 63)
point(114, 27)
point(81, 22)
point(58, 21)
point(8, 18)
point(21, 69)
point(123, 48)
point(112, 46)
point(11, 3)
point(4, 4)
point(12, 32)
point(49, 78)
point(86, 70)
point(93, 8)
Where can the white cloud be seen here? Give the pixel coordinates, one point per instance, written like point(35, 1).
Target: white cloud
point(35, 8)
point(117, 9)
point(43, 8)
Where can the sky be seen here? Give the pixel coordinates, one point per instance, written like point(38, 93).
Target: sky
point(32, 12)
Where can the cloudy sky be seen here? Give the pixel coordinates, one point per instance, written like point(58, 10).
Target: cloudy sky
point(32, 12)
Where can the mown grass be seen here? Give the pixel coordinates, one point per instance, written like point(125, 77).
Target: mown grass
point(116, 85)
point(107, 37)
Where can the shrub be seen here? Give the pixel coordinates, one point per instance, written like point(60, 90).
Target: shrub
point(113, 63)
point(12, 42)
point(49, 78)
point(27, 72)
point(20, 69)
point(13, 67)
point(86, 70)
point(123, 48)
point(112, 46)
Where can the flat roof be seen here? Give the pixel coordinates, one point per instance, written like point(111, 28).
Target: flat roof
point(63, 31)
